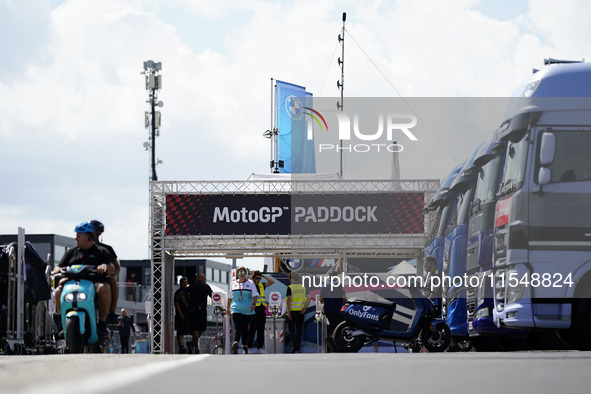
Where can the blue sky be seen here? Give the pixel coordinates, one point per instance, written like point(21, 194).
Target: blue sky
point(73, 98)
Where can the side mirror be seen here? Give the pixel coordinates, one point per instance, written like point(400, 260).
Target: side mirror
point(547, 149)
point(544, 175)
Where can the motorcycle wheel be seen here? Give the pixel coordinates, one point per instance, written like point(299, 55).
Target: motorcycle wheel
point(436, 340)
point(74, 339)
point(344, 341)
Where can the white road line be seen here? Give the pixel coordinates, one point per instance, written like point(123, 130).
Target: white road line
point(109, 381)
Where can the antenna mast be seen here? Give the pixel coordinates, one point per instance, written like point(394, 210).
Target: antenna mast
point(341, 85)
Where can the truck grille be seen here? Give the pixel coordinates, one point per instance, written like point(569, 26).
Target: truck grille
point(471, 303)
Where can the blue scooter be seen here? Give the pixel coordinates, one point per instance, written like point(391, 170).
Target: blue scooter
point(369, 321)
point(78, 310)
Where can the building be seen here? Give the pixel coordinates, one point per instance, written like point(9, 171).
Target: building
point(44, 244)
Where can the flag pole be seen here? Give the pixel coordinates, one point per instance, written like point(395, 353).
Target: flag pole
point(272, 129)
point(275, 130)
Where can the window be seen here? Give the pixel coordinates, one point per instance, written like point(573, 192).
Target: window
point(571, 160)
point(515, 161)
point(488, 180)
point(58, 252)
point(463, 209)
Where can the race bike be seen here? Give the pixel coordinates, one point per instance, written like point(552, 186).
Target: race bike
point(368, 321)
point(79, 314)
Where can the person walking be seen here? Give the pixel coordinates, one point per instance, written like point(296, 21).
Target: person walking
point(297, 301)
point(181, 318)
point(242, 299)
point(257, 325)
point(125, 326)
point(198, 293)
point(333, 298)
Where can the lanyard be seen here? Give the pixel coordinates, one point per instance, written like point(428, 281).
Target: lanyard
point(240, 287)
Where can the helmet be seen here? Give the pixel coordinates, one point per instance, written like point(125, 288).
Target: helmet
point(98, 226)
point(84, 227)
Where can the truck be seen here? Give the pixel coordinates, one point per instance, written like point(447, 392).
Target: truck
point(483, 332)
point(454, 256)
point(443, 205)
point(542, 222)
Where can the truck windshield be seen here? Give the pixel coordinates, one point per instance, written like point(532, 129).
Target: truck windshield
point(487, 181)
point(445, 218)
point(435, 225)
point(464, 201)
point(515, 161)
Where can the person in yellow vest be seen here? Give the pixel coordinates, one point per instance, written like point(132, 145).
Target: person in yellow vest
point(257, 324)
point(297, 301)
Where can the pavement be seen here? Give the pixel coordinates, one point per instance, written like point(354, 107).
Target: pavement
point(364, 373)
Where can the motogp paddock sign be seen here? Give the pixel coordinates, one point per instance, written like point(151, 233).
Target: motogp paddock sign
point(292, 214)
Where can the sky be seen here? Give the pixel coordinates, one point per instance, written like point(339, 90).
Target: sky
point(72, 96)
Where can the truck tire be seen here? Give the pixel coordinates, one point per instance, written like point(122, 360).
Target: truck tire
point(582, 323)
point(74, 339)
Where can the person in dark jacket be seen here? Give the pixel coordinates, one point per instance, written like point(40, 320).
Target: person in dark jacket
point(197, 294)
point(125, 326)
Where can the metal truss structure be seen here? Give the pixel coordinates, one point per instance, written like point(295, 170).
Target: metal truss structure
point(165, 248)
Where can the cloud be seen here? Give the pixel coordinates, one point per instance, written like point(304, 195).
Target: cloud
point(24, 35)
point(73, 98)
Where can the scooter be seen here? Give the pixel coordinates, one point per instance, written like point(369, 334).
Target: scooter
point(78, 310)
point(369, 321)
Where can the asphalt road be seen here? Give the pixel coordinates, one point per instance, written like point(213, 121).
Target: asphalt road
point(364, 373)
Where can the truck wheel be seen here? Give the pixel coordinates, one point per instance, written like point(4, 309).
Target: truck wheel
point(74, 339)
point(438, 339)
point(345, 342)
point(487, 344)
point(582, 323)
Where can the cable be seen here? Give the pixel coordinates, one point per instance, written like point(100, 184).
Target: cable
point(377, 68)
point(403, 99)
point(328, 69)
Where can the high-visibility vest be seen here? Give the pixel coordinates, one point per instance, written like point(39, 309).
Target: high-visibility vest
point(298, 297)
point(261, 300)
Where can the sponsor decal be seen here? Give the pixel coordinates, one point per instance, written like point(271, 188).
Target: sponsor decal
point(335, 214)
point(364, 314)
point(244, 215)
point(219, 214)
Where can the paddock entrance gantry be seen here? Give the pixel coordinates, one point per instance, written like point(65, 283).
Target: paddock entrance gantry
point(271, 218)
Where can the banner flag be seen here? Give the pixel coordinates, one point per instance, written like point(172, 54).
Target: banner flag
point(294, 149)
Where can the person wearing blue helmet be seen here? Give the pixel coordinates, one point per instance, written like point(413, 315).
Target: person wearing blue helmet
point(87, 252)
point(99, 228)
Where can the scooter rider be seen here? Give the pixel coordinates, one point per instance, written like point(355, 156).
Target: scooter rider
point(99, 228)
point(87, 252)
